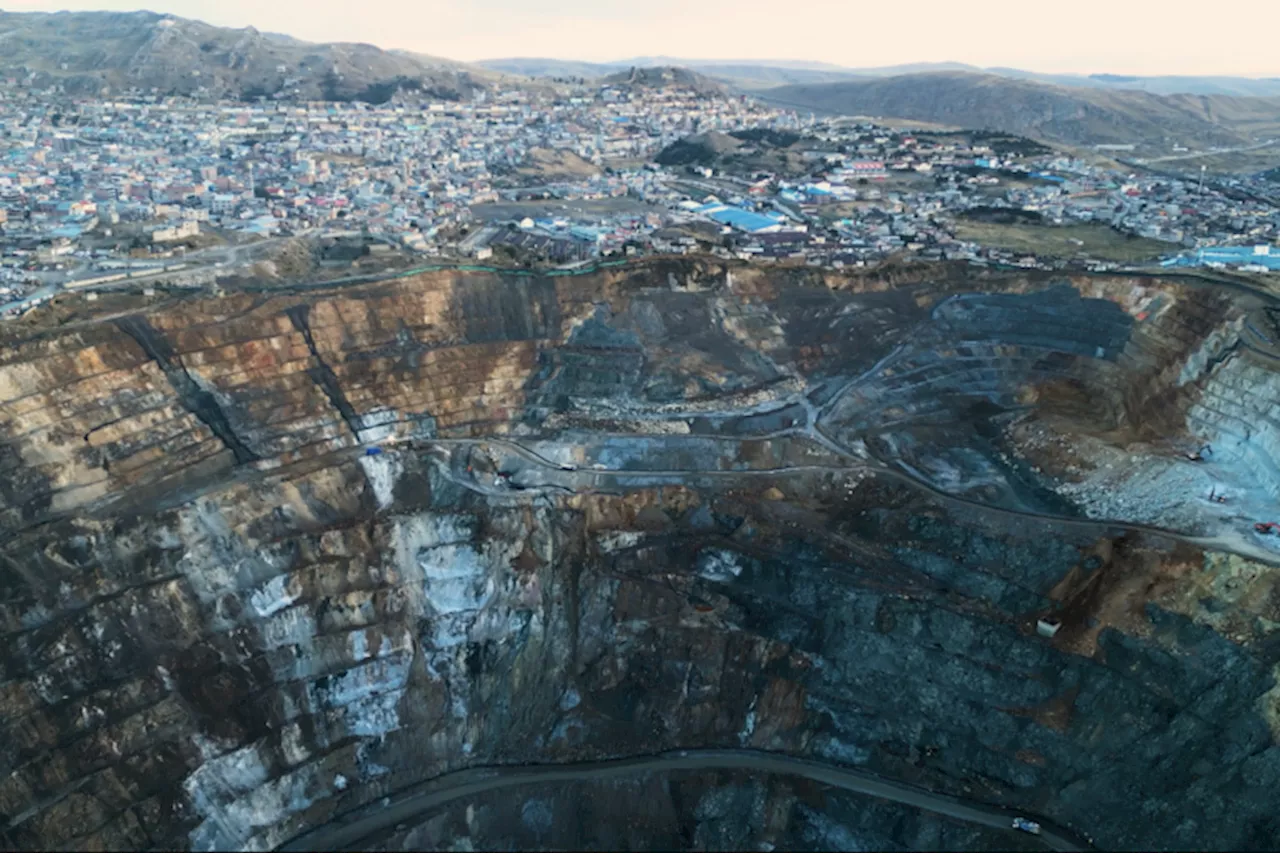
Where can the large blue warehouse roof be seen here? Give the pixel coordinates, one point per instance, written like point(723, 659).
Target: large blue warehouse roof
point(736, 217)
point(1225, 255)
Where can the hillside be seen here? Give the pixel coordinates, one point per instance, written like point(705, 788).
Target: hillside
point(663, 77)
point(739, 73)
point(751, 150)
point(115, 52)
point(557, 164)
point(753, 76)
point(1079, 116)
point(770, 73)
point(703, 149)
point(1160, 85)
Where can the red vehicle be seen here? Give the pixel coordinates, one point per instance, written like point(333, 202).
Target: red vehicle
point(1267, 528)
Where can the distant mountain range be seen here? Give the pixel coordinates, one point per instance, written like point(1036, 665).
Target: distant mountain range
point(116, 52)
point(763, 74)
point(1072, 115)
point(1154, 113)
point(744, 74)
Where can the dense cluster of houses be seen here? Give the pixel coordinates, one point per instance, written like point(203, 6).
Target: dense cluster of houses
point(89, 185)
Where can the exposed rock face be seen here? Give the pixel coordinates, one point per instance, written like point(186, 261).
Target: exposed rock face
point(666, 505)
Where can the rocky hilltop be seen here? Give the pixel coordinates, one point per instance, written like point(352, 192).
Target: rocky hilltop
point(110, 53)
point(273, 557)
point(665, 76)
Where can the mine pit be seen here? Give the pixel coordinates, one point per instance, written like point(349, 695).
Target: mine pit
point(277, 563)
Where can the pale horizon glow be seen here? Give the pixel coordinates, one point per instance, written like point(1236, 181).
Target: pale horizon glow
point(1147, 37)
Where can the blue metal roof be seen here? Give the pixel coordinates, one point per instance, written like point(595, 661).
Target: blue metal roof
point(744, 219)
point(1225, 255)
point(736, 217)
point(35, 296)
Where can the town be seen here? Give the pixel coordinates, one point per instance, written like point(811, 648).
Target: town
point(169, 191)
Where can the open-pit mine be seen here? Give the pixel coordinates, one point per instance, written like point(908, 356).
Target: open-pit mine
point(679, 553)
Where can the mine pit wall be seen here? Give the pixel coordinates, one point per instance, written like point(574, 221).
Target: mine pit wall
point(230, 669)
point(232, 672)
point(1239, 413)
point(1179, 332)
point(191, 390)
point(1187, 373)
point(1192, 374)
point(217, 676)
point(90, 413)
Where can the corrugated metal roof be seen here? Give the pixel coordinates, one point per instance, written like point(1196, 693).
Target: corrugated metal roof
point(1226, 255)
point(736, 217)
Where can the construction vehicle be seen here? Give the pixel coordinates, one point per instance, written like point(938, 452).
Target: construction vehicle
point(1204, 452)
point(1048, 627)
point(1023, 825)
point(1267, 528)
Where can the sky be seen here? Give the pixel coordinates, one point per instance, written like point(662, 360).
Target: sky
point(1115, 36)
